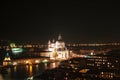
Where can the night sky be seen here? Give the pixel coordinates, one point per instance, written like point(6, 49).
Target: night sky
point(84, 21)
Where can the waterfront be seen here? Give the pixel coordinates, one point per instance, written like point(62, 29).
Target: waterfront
point(21, 72)
point(87, 67)
point(56, 62)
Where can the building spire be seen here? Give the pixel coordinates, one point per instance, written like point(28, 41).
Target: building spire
point(49, 42)
point(53, 40)
point(59, 37)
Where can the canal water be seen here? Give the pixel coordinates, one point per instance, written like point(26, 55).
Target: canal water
point(21, 72)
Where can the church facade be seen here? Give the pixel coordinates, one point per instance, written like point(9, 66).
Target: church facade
point(58, 49)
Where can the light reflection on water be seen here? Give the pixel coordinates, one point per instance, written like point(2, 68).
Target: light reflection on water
point(23, 71)
point(30, 70)
point(1, 77)
point(14, 68)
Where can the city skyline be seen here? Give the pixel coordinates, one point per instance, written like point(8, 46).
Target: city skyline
point(75, 21)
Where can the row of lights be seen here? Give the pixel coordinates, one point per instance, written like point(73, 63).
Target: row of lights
point(29, 62)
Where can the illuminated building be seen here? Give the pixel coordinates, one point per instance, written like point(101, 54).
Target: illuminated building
point(57, 49)
point(16, 50)
point(7, 60)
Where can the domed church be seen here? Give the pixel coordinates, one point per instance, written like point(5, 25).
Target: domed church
point(58, 49)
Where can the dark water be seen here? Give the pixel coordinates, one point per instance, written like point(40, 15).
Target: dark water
point(21, 72)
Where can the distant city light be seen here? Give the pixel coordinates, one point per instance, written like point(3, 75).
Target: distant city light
point(37, 61)
point(14, 63)
point(45, 60)
point(12, 45)
point(17, 50)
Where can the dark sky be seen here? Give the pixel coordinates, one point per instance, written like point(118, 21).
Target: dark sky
point(76, 21)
